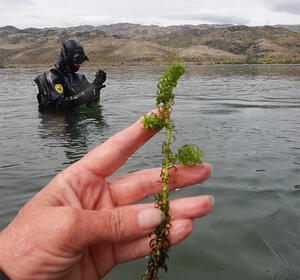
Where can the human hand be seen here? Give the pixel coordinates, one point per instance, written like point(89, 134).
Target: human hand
point(100, 78)
point(83, 222)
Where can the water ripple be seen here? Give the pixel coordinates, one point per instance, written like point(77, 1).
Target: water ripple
point(245, 118)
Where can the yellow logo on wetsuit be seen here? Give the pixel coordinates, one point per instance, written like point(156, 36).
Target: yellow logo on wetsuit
point(59, 88)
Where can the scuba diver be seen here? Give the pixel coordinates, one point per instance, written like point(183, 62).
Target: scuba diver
point(61, 87)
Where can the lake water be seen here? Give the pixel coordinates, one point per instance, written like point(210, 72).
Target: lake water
point(246, 119)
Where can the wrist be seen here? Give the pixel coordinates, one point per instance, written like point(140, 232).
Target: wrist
point(3, 271)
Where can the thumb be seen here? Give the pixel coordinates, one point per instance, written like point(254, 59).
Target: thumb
point(116, 225)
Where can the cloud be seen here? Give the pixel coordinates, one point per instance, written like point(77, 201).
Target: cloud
point(49, 13)
point(92, 20)
point(286, 6)
point(16, 3)
point(208, 18)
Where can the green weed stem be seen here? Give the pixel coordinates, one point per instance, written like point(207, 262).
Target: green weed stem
point(188, 155)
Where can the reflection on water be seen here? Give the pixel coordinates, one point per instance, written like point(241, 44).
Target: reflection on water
point(246, 118)
point(71, 129)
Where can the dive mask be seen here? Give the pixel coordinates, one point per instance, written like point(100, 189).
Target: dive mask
point(79, 56)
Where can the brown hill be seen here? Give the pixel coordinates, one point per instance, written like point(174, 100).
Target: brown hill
point(126, 43)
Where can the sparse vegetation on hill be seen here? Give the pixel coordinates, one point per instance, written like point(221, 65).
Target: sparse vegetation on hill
point(126, 43)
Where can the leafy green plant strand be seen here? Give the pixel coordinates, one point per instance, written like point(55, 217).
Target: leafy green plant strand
point(188, 155)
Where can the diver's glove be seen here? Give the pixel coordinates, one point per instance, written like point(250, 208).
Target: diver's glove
point(100, 78)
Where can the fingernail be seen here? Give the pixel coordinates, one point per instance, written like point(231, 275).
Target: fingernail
point(212, 200)
point(150, 218)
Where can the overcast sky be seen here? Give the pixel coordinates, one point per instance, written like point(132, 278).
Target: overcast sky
point(62, 13)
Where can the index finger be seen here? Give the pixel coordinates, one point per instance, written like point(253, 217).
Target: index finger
point(111, 155)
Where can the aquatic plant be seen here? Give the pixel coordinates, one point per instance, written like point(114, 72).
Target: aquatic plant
point(187, 155)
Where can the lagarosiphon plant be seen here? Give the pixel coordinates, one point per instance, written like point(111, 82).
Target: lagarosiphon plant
point(188, 155)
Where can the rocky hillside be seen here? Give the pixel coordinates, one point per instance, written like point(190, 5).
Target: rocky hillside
point(126, 43)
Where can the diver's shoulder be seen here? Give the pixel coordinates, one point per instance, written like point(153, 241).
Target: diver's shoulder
point(54, 75)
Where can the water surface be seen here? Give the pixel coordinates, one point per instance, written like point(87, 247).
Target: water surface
point(245, 118)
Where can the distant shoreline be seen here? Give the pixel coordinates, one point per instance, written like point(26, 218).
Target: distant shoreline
point(149, 64)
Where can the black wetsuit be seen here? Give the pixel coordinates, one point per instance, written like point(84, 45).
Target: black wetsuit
point(61, 87)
